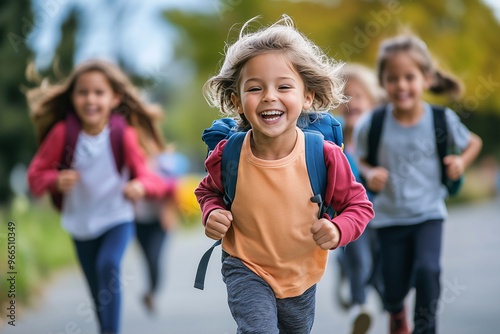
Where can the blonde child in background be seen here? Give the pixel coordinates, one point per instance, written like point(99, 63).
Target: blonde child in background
point(410, 202)
point(157, 218)
point(358, 262)
point(90, 161)
point(276, 246)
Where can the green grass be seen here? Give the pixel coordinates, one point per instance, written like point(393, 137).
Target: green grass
point(42, 247)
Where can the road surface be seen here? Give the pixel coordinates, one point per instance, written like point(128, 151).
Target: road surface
point(470, 302)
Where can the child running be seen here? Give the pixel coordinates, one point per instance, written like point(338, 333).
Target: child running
point(358, 265)
point(276, 247)
point(410, 203)
point(157, 218)
point(90, 161)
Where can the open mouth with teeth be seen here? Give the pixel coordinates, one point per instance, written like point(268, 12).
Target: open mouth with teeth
point(271, 115)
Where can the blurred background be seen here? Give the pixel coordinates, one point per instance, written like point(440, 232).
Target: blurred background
point(171, 47)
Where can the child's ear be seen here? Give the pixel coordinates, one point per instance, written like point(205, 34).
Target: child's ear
point(428, 80)
point(237, 103)
point(308, 99)
point(117, 99)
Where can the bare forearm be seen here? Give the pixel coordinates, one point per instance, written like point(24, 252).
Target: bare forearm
point(472, 150)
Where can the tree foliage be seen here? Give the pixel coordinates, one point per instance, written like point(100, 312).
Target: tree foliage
point(462, 36)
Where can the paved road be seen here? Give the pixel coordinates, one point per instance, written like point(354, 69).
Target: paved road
point(470, 300)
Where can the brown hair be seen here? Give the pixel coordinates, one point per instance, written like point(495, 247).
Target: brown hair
point(319, 72)
point(49, 104)
point(442, 83)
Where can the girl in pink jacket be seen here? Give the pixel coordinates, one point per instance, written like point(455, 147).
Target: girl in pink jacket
point(90, 161)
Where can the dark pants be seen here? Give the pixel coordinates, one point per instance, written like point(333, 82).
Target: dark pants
point(100, 260)
point(411, 258)
point(151, 238)
point(359, 262)
point(255, 307)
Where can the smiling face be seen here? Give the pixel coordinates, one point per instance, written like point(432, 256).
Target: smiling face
point(271, 95)
point(93, 99)
point(404, 82)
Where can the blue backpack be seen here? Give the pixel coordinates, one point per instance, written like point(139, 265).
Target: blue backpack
point(317, 127)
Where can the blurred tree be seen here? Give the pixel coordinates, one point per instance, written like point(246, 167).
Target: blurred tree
point(461, 34)
point(17, 138)
point(16, 135)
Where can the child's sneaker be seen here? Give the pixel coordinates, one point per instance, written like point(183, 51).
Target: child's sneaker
point(148, 301)
point(398, 323)
point(361, 322)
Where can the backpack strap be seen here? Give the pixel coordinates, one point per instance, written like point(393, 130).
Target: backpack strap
point(316, 168)
point(72, 130)
point(229, 166)
point(441, 132)
point(199, 281)
point(229, 173)
point(374, 135)
point(443, 148)
point(117, 125)
point(72, 127)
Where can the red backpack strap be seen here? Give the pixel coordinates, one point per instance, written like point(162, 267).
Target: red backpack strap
point(72, 128)
point(117, 125)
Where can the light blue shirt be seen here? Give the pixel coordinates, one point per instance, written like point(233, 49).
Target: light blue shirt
point(414, 192)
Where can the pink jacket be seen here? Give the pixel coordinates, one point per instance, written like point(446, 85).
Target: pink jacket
point(43, 169)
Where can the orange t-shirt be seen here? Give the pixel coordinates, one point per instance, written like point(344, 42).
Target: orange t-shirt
point(272, 217)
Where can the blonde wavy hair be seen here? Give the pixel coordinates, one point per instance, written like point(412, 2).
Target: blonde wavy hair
point(49, 104)
point(368, 80)
point(319, 72)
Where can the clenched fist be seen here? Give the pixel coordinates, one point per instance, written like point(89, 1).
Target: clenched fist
point(377, 178)
point(66, 180)
point(325, 233)
point(134, 190)
point(218, 222)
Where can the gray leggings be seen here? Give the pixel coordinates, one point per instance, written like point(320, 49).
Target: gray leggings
point(256, 309)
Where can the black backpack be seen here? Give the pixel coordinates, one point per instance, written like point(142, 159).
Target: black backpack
point(443, 142)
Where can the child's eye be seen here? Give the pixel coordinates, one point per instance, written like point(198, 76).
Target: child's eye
point(253, 89)
point(285, 87)
point(410, 77)
point(99, 92)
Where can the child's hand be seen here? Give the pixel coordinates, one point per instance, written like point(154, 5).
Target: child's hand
point(218, 222)
point(134, 190)
point(377, 178)
point(325, 233)
point(454, 166)
point(66, 180)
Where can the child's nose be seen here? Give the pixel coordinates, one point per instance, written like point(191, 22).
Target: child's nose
point(269, 95)
point(91, 98)
point(401, 83)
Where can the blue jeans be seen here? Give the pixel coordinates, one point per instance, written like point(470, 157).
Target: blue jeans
point(100, 259)
point(256, 309)
point(151, 237)
point(411, 258)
